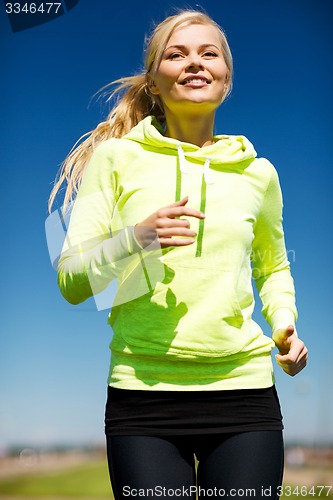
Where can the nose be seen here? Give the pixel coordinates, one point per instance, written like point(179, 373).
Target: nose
point(194, 62)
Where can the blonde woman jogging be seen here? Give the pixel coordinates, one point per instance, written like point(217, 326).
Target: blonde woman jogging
point(184, 219)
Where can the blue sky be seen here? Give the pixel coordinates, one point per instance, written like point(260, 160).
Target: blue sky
point(53, 356)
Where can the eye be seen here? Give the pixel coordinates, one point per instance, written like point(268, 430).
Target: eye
point(210, 54)
point(174, 55)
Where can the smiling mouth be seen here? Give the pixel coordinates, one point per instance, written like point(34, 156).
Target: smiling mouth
point(194, 80)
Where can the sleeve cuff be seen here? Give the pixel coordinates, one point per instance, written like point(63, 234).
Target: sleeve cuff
point(282, 318)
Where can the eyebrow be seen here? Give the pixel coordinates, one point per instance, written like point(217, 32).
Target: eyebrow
point(203, 46)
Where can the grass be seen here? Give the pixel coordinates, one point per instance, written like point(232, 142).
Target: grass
point(92, 481)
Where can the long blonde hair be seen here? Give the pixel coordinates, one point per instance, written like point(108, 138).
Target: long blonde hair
point(134, 101)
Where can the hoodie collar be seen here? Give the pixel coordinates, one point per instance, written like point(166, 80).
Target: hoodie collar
point(226, 149)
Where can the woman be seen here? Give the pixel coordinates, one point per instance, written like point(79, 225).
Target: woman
point(178, 215)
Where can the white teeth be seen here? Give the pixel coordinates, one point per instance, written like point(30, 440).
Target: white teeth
point(196, 80)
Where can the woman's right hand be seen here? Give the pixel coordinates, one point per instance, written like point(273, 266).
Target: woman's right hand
point(166, 225)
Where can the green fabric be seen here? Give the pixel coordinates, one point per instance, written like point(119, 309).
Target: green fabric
point(182, 310)
point(201, 221)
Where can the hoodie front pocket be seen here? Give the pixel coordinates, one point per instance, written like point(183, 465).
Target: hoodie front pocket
point(195, 314)
point(213, 325)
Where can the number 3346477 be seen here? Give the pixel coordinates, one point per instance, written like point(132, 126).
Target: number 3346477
point(33, 8)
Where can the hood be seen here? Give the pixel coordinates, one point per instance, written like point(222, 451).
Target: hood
point(226, 150)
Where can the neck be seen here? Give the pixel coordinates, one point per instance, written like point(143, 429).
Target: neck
point(196, 130)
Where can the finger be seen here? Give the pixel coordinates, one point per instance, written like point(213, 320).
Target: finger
point(168, 232)
point(297, 350)
point(290, 330)
point(173, 212)
point(283, 335)
point(292, 370)
point(179, 203)
point(292, 357)
point(175, 242)
point(290, 366)
point(287, 367)
point(170, 224)
point(286, 343)
point(166, 222)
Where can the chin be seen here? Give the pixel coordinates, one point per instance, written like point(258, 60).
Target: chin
point(202, 103)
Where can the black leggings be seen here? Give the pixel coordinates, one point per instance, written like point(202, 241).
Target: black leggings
point(240, 465)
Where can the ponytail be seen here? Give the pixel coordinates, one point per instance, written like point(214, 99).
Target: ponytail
point(135, 104)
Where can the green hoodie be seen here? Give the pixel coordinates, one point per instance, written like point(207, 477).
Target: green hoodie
point(182, 316)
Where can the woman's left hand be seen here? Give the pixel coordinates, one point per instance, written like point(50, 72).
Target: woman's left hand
point(293, 353)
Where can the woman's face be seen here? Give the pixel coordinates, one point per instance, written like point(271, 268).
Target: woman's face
point(192, 73)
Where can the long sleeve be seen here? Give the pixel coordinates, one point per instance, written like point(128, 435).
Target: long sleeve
point(91, 255)
point(270, 265)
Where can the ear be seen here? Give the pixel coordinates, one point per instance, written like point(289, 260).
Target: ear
point(227, 84)
point(153, 88)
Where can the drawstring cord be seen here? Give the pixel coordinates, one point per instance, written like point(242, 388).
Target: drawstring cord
point(184, 170)
point(181, 156)
point(206, 172)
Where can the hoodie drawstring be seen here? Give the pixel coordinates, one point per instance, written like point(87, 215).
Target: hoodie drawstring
point(206, 172)
point(181, 156)
point(206, 179)
point(181, 169)
point(201, 221)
